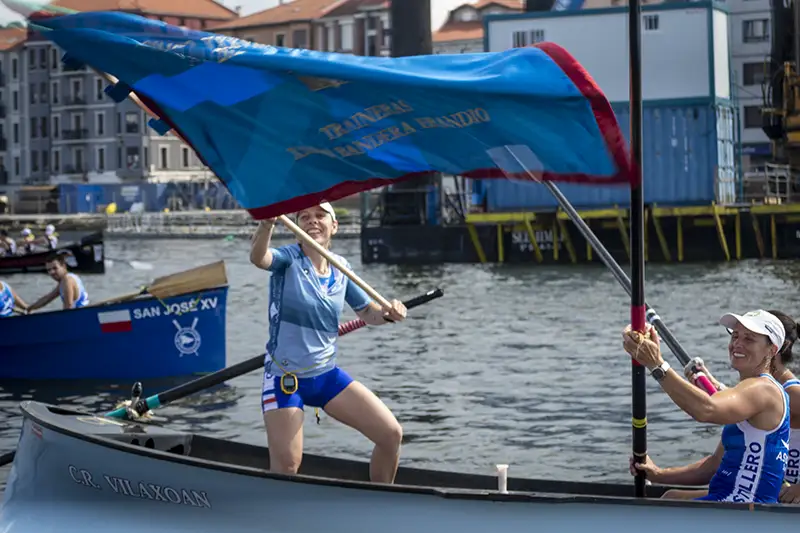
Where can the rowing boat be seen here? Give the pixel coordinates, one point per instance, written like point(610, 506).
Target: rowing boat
point(86, 256)
point(78, 472)
point(176, 336)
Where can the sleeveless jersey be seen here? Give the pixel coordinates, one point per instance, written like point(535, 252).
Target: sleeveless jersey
point(793, 465)
point(304, 311)
point(83, 296)
point(754, 463)
point(6, 300)
point(52, 242)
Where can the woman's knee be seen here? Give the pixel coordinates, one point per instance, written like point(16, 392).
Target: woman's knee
point(284, 440)
point(392, 435)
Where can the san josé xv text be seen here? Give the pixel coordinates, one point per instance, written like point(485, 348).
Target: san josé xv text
point(176, 308)
point(371, 116)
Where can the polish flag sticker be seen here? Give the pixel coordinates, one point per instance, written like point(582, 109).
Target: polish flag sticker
point(115, 321)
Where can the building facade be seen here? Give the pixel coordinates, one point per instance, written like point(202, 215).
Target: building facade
point(58, 125)
point(462, 32)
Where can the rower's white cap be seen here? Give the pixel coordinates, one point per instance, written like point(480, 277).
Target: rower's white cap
point(758, 321)
point(49, 229)
point(25, 232)
point(328, 208)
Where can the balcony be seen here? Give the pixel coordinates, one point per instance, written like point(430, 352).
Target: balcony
point(74, 100)
point(75, 134)
point(74, 169)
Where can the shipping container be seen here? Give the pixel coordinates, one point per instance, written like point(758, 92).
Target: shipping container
point(688, 159)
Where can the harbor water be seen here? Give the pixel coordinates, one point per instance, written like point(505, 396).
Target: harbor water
point(520, 365)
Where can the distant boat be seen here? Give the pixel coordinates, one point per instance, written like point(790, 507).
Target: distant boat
point(85, 257)
point(136, 339)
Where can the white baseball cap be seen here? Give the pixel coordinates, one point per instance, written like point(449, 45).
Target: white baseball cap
point(49, 229)
point(758, 321)
point(25, 232)
point(328, 208)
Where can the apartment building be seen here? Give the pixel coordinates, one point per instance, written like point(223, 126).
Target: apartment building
point(462, 31)
point(61, 127)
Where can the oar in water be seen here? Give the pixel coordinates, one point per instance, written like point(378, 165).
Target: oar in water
point(142, 406)
point(195, 279)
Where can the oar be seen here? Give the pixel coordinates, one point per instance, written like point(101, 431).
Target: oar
point(623, 279)
point(195, 279)
point(239, 369)
point(181, 391)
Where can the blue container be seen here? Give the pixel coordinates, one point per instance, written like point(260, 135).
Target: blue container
point(80, 198)
point(685, 147)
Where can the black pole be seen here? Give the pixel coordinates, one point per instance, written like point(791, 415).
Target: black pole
point(638, 376)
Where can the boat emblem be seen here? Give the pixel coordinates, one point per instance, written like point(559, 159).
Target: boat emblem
point(187, 340)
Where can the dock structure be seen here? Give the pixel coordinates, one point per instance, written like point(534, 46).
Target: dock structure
point(672, 234)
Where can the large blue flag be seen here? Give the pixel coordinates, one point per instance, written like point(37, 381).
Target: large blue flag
point(285, 129)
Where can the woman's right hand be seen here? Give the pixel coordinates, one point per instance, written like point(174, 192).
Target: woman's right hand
point(652, 472)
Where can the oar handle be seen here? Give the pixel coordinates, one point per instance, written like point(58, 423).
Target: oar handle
point(239, 369)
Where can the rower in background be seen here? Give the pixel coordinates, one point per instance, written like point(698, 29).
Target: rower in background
point(790, 493)
point(8, 246)
point(48, 241)
point(70, 287)
point(26, 240)
point(9, 300)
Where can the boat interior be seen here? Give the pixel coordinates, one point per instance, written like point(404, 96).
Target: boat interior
point(223, 452)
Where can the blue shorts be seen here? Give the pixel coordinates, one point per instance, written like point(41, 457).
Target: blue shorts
point(315, 391)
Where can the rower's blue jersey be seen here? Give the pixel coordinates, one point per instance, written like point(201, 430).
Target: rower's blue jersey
point(793, 465)
point(304, 312)
point(6, 300)
point(754, 463)
point(83, 296)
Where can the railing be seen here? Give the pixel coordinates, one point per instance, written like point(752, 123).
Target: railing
point(771, 184)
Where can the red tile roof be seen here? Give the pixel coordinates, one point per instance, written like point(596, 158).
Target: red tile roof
point(297, 10)
point(459, 31)
point(11, 37)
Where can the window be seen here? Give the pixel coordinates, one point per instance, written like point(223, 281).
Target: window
point(32, 93)
point(347, 36)
point(16, 166)
point(279, 39)
point(56, 161)
point(77, 122)
point(43, 57)
point(163, 158)
point(15, 98)
point(755, 30)
point(98, 89)
point(77, 91)
point(77, 159)
point(101, 159)
point(524, 38)
point(650, 23)
point(32, 59)
point(43, 92)
point(53, 59)
point(300, 39)
point(185, 157)
point(14, 67)
point(45, 159)
point(131, 122)
point(119, 157)
point(100, 124)
point(132, 156)
point(16, 133)
point(34, 129)
point(752, 116)
point(43, 126)
point(55, 92)
point(753, 73)
point(56, 127)
point(466, 14)
point(34, 161)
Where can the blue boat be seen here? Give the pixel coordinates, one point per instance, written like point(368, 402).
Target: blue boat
point(77, 473)
point(141, 338)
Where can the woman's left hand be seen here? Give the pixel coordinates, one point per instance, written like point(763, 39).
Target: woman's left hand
point(644, 348)
point(397, 312)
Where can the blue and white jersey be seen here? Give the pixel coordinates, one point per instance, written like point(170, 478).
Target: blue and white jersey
point(6, 300)
point(793, 465)
point(83, 296)
point(754, 463)
point(304, 311)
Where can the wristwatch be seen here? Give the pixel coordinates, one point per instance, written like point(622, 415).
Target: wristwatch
point(660, 371)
